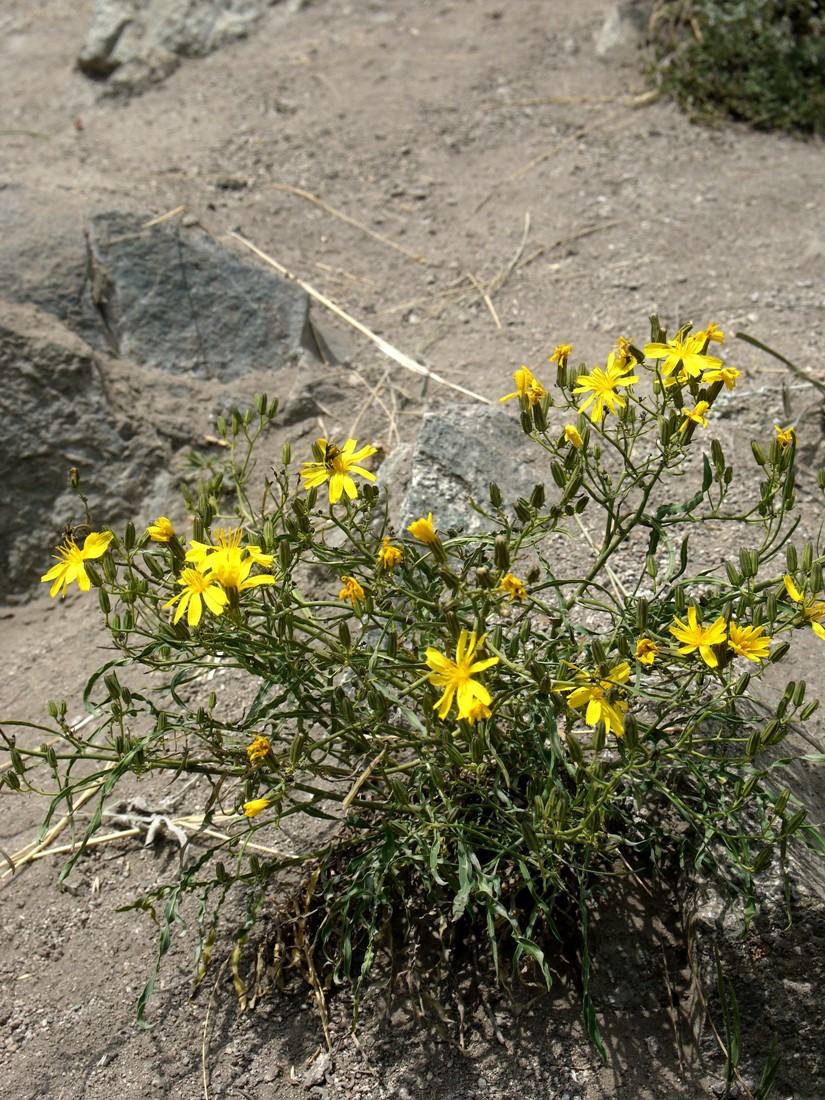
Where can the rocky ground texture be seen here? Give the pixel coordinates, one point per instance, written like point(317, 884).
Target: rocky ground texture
point(474, 182)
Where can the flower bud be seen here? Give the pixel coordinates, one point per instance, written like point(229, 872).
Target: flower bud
point(501, 555)
point(758, 453)
point(631, 731)
point(642, 608)
point(495, 495)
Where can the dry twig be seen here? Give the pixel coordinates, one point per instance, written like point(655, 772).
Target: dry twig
point(383, 345)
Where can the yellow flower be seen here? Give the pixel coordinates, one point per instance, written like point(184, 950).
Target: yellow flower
point(338, 466)
point(253, 808)
point(623, 351)
point(478, 712)
point(229, 562)
point(161, 530)
point(352, 590)
point(561, 354)
point(70, 565)
point(728, 375)
point(694, 636)
point(748, 641)
point(684, 351)
point(198, 589)
point(813, 610)
point(389, 555)
point(423, 530)
point(646, 651)
point(602, 384)
point(595, 695)
point(456, 677)
point(713, 334)
point(527, 385)
point(696, 415)
point(513, 587)
point(536, 391)
point(258, 749)
point(572, 436)
point(785, 436)
point(232, 570)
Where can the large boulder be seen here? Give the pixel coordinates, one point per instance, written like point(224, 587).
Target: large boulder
point(134, 43)
point(173, 299)
point(459, 451)
point(164, 296)
point(58, 415)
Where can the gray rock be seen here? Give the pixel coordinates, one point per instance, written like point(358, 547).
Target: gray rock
point(458, 453)
point(53, 389)
point(173, 299)
point(134, 43)
point(139, 42)
point(164, 297)
point(44, 258)
point(624, 27)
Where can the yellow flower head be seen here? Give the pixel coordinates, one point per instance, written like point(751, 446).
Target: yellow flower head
point(389, 555)
point(694, 636)
point(646, 651)
point(602, 387)
point(813, 610)
point(253, 808)
point(456, 677)
point(478, 712)
point(685, 352)
point(623, 351)
point(572, 436)
point(785, 436)
point(561, 354)
point(198, 589)
point(338, 466)
point(70, 565)
point(423, 530)
point(161, 530)
point(352, 591)
point(749, 641)
point(713, 334)
point(728, 375)
point(229, 562)
point(258, 749)
point(599, 696)
point(696, 415)
point(513, 587)
point(527, 385)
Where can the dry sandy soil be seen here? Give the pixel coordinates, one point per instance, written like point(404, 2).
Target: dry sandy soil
point(458, 135)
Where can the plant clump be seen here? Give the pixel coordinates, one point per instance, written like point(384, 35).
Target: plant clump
point(483, 733)
point(756, 61)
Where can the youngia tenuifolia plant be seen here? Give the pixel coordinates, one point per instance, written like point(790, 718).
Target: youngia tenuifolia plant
point(482, 734)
